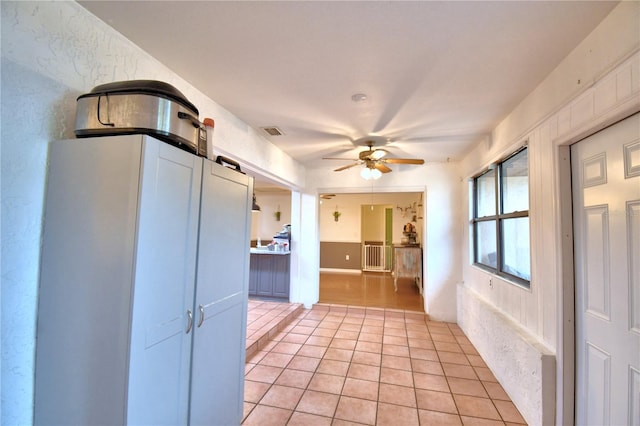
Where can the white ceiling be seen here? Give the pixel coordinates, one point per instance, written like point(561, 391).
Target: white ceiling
point(438, 75)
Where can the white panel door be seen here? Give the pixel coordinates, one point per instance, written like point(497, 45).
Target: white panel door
point(164, 285)
point(606, 208)
point(217, 382)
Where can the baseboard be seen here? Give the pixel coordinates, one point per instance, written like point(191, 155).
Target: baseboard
point(341, 271)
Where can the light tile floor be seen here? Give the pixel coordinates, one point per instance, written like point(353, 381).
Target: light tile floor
point(265, 319)
point(338, 365)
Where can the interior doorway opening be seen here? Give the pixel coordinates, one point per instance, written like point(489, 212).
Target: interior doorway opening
point(377, 237)
point(357, 245)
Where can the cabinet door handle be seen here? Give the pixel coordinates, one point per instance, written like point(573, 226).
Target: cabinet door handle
point(190, 322)
point(201, 320)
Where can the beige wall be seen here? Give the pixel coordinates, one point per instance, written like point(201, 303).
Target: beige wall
point(349, 226)
point(264, 223)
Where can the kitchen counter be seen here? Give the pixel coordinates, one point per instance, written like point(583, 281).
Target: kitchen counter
point(264, 250)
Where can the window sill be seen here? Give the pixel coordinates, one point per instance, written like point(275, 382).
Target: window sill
point(524, 285)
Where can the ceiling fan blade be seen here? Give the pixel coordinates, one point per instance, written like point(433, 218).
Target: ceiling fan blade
point(403, 161)
point(383, 168)
point(339, 169)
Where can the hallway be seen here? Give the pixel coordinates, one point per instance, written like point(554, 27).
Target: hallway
point(345, 365)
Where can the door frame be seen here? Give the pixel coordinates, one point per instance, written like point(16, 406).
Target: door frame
point(565, 344)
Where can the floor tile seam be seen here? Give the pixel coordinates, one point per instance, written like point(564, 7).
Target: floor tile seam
point(452, 398)
point(267, 328)
point(269, 340)
point(361, 399)
point(476, 416)
point(341, 387)
point(270, 386)
point(271, 406)
point(400, 405)
point(496, 408)
point(484, 418)
point(316, 414)
point(266, 404)
point(478, 396)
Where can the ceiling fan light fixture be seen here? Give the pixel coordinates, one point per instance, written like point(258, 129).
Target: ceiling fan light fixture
point(368, 173)
point(377, 154)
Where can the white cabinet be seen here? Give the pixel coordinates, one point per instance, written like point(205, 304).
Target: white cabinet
point(143, 290)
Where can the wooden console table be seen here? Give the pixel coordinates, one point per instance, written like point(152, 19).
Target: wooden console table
point(407, 263)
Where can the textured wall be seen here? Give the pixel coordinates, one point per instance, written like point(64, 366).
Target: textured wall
point(31, 111)
point(525, 368)
point(51, 53)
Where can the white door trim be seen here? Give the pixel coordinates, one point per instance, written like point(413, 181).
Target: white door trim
point(566, 360)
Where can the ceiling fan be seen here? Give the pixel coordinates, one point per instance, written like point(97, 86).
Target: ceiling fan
point(373, 159)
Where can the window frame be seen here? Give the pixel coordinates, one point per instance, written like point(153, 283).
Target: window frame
point(498, 218)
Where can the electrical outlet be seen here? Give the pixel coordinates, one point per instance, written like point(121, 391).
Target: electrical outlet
point(346, 257)
point(490, 282)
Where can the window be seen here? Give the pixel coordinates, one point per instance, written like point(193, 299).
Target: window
point(501, 219)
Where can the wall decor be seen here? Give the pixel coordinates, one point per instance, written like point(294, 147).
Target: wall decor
point(336, 214)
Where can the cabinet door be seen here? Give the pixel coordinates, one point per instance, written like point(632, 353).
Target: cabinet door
point(281, 276)
point(265, 275)
point(217, 382)
point(164, 285)
point(253, 274)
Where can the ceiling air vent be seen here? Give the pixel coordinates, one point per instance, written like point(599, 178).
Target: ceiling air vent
point(273, 131)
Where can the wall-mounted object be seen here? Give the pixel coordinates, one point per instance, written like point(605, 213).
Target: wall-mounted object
point(336, 214)
point(411, 208)
point(277, 214)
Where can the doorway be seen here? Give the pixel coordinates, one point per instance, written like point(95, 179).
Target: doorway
point(342, 280)
point(606, 220)
point(376, 237)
